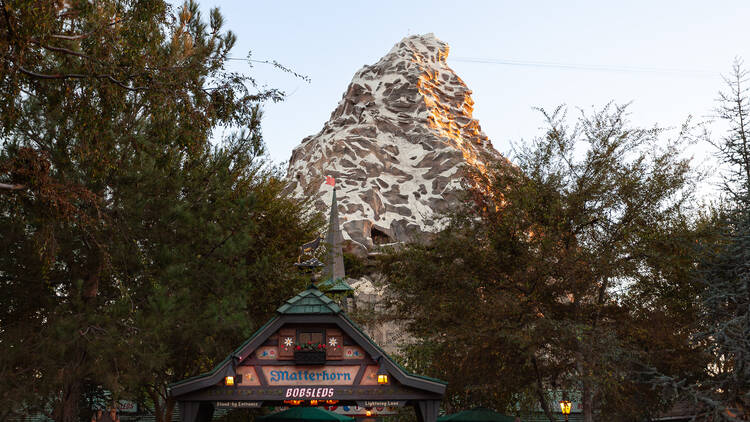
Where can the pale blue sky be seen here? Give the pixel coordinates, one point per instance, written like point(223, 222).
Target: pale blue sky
point(330, 41)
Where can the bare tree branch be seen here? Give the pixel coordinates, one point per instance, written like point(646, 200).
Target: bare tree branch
point(11, 187)
point(79, 76)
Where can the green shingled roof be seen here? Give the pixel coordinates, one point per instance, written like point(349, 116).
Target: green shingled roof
point(311, 301)
point(335, 286)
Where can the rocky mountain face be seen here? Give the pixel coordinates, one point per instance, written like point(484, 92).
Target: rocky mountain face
point(395, 145)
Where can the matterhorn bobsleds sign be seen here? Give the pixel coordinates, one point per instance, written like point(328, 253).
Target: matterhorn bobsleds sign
point(310, 354)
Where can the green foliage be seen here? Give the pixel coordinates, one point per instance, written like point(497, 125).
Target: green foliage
point(528, 290)
point(137, 252)
point(357, 267)
point(722, 391)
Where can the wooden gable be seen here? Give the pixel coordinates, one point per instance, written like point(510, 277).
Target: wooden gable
point(311, 351)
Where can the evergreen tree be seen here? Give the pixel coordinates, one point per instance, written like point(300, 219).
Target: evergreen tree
point(136, 252)
point(723, 392)
point(726, 300)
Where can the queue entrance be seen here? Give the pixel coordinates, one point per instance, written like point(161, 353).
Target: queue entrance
point(309, 354)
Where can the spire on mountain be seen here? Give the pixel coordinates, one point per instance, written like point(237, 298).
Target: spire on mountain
point(335, 264)
point(335, 274)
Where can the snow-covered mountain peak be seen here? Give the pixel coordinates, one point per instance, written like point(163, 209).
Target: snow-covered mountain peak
point(395, 144)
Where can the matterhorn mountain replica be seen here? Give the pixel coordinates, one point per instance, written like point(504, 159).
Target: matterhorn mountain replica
point(395, 145)
point(394, 148)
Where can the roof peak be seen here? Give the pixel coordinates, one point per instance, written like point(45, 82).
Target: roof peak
point(310, 301)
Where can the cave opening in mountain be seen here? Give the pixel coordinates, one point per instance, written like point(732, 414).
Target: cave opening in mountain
point(379, 237)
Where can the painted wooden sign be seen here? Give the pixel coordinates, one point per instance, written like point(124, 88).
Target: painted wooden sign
point(309, 375)
point(309, 393)
point(381, 403)
point(341, 392)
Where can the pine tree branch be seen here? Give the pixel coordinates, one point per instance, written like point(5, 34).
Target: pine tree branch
point(65, 51)
point(79, 76)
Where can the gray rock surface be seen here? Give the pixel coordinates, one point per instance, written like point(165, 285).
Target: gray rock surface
point(395, 144)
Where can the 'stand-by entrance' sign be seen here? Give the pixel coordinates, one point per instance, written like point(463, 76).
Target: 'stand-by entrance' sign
point(321, 375)
point(238, 404)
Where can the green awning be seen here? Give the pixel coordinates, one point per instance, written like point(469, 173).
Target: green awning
point(302, 414)
point(478, 414)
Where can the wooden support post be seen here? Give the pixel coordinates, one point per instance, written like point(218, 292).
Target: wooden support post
point(427, 410)
point(194, 411)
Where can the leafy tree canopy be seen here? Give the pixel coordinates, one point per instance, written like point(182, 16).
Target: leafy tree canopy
point(137, 252)
point(562, 269)
point(722, 392)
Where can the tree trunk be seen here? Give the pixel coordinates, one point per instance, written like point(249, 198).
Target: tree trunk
point(66, 409)
point(169, 409)
point(541, 393)
point(586, 399)
point(90, 288)
point(157, 406)
point(162, 410)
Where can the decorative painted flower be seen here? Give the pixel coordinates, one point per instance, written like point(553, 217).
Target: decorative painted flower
point(332, 342)
point(288, 341)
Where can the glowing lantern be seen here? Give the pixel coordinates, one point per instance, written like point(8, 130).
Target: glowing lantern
point(313, 402)
point(382, 376)
point(229, 380)
point(565, 408)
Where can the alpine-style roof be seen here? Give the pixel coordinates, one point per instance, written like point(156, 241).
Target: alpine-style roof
point(311, 305)
point(311, 302)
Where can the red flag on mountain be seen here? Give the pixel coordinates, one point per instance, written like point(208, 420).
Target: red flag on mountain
point(330, 181)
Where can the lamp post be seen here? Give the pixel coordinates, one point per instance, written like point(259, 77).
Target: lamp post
point(565, 408)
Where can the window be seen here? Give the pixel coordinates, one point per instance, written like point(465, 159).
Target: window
point(310, 335)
